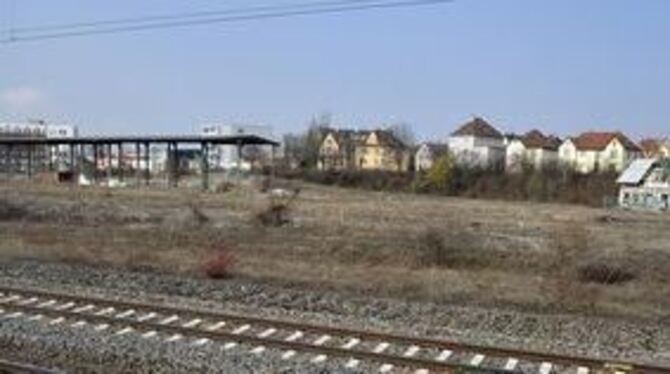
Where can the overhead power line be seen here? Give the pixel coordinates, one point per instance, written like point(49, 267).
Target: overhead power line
point(36, 33)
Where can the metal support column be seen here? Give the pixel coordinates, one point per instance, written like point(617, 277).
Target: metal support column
point(95, 163)
point(138, 164)
point(50, 154)
point(175, 165)
point(72, 163)
point(147, 167)
point(204, 165)
point(109, 163)
point(119, 160)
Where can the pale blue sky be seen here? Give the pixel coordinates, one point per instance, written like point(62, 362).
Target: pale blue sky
point(559, 65)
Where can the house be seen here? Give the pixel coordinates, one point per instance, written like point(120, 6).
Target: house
point(645, 184)
point(655, 148)
point(363, 150)
point(381, 150)
point(533, 149)
point(598, 151)
point(478, 144)
point(338, 149)
point(427, 154)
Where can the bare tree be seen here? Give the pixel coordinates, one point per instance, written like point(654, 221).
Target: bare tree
point(403, 131)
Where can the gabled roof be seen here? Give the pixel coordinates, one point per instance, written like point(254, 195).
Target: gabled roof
point(637, 171)
point(598, 141)
point(387, 139)
point(535, 139)
point(480, 128)
point(348, 137)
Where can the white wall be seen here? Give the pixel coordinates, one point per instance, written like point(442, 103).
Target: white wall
point(475, 151)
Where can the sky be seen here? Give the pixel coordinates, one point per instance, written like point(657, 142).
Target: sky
point(562, 66)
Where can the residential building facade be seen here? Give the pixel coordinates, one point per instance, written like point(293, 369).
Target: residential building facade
point(533, 149)
point(598, 151)
point(645, 184)
point(363, 150)
point(427, 154)
point(478, 144)
point(655, 148)
point(381, 150)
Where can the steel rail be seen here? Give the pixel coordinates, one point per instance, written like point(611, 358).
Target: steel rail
point(382, 358)
point(15, 367)
point(532, 356)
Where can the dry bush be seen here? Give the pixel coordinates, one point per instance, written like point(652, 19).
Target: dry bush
point(456, 247)
point(223, 187)
point(605, 271)
point(277, 212)
point(219, 263)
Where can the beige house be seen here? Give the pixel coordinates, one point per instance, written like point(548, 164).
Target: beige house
point(655, 148)
point(598, 151)
point(427, 154)
point(363, 150)
point(381, 150)
point(338, 149)
point(534, 149)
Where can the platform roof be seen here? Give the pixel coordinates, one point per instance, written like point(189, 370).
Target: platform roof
point(192, 139)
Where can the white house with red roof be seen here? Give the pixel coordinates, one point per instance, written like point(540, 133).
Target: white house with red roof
point(598, 151)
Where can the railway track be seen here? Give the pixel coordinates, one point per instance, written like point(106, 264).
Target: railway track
point(353, 347)
point(16, 367)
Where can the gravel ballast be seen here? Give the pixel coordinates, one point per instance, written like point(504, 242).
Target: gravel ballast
point(86, 350)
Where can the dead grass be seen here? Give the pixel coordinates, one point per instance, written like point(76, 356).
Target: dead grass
point(531, 256)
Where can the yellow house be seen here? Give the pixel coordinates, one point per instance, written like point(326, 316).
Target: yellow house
point(598, 151)
point(381, 150)
point(337, 150)
point(363, 150)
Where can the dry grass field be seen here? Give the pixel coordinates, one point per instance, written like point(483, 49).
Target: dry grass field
point(539, 257)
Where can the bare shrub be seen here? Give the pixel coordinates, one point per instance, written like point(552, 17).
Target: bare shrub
point(223, 187)
point(277, 212)
point(457, 247)
point(605, 272)
point(219, 263)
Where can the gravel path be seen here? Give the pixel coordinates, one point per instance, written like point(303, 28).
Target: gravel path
point(88, 351)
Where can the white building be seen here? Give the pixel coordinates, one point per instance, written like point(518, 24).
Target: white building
point(645, 184)
point(533, 149)
point(598, 151)
point(226, 156)
point(427, 154)
point(478, 144)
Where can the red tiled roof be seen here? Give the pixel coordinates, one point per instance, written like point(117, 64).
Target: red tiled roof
point(597, 141)
point(478, 127)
